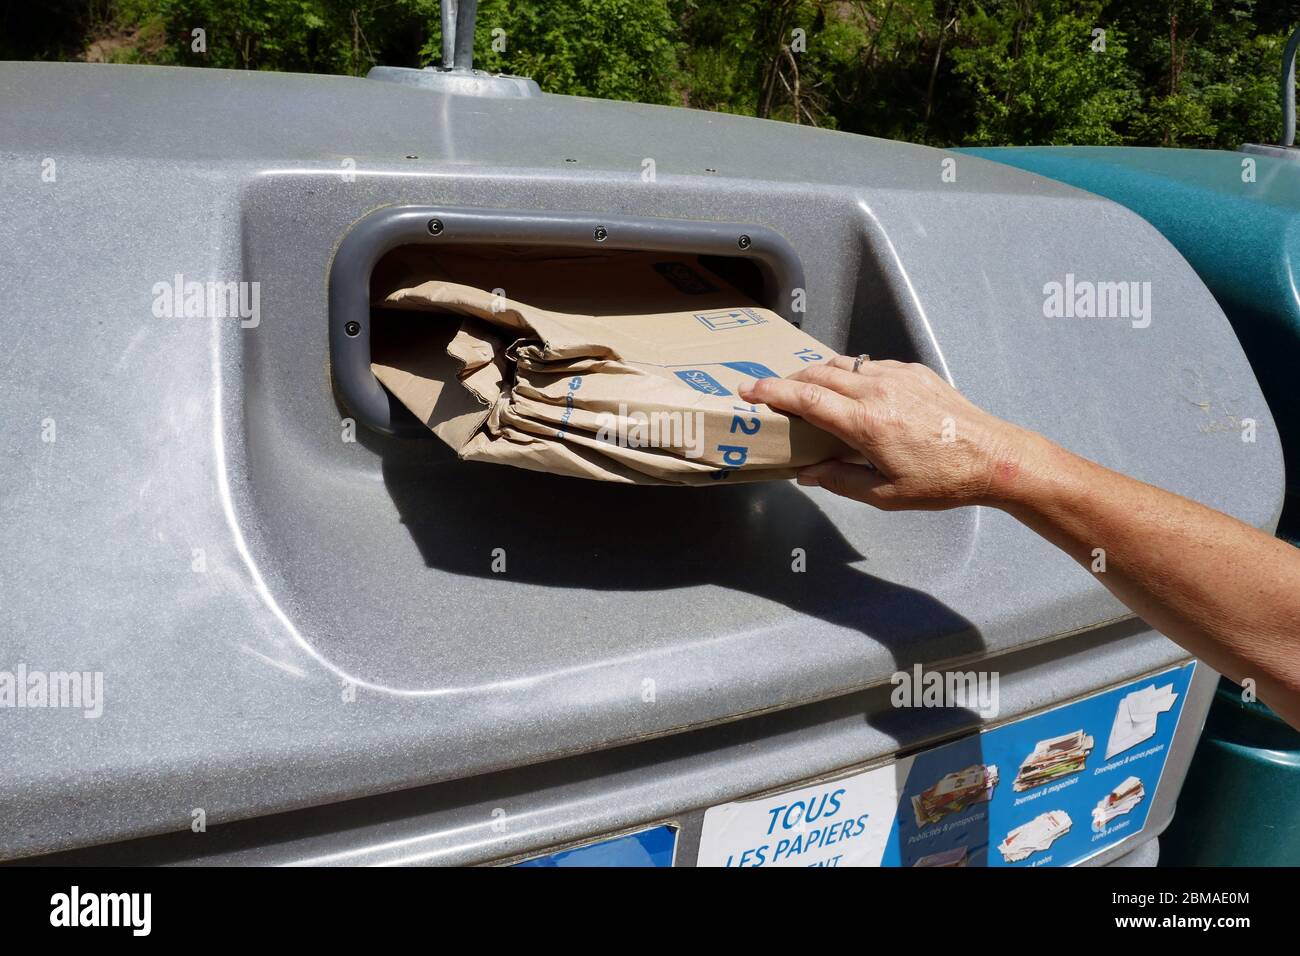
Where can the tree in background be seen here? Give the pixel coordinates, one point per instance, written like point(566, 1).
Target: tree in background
point(943, 72)
point(1208, 68)
point(305, 36)
point(612, 49)
point(1038, 73)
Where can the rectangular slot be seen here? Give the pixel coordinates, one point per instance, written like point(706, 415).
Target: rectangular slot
point(755, 259)
point(600, 281)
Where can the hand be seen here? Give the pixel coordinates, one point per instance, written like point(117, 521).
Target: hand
point(929, 446)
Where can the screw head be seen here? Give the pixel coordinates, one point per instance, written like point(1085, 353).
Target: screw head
point(352, 328)
point(601, 234)
point(743, 242)
point(435, 227)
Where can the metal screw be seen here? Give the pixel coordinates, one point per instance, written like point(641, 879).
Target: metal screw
point(743, 242)
point(352, 328)
point(601, 234)
point(435, 227)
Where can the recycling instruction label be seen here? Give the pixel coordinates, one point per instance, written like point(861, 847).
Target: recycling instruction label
point(1051, 789)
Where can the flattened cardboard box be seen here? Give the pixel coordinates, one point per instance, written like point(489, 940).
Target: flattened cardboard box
point(622, 367)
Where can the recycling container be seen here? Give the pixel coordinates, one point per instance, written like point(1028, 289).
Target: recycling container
point(1238, 807)
point(321, 638)
point(1235, 216)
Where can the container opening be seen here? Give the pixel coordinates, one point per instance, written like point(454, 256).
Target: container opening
point(662, 282)
point(403, 246)
point(412, 264)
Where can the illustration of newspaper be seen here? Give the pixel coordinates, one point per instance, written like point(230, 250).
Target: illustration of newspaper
point(1135, 720)
point(1038, 834)
point(954, 792)
point(948, 858)
point(1117, 803)
point(1053, 759)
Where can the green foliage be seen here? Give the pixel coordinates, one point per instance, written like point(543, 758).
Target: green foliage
point(1044, 77)
point(1207, 69)
point(945, 72)
point(308, 36)
point(613, 49)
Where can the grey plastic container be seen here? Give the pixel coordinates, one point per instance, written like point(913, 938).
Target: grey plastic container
point(287, 620)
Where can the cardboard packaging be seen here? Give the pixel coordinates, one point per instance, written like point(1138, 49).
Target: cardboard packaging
point(618, 367)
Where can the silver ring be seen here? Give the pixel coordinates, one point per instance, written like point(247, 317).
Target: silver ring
point(857, 362)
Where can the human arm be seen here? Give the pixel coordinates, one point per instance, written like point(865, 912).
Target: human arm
point(1227, 592)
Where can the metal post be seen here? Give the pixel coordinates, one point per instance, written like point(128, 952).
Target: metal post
point(466, 14)
point(1288, 90)
point(449, 11)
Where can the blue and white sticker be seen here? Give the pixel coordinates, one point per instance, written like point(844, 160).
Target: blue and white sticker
point(1052, 789)
point(702, 381)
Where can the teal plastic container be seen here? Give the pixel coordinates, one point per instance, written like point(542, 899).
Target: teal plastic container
point(1235, 217)
point(1239, 806)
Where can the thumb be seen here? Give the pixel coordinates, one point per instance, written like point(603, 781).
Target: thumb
point(839, 477)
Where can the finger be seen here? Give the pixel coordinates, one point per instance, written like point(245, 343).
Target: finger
point(836, 379)
point(839, 477)
point(867, 366)
point(827, 409)
point(846, 363)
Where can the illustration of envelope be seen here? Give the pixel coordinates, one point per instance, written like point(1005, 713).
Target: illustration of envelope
point(1136, 717)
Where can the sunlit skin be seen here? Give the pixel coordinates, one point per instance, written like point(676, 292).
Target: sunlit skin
point(1227, 592)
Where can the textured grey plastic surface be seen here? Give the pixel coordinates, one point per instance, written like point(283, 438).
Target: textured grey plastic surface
point(511, 815)
point(1145, 855)
point(458, 82)
point(1271, 149)
point(386, 229)
point(286, 619)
